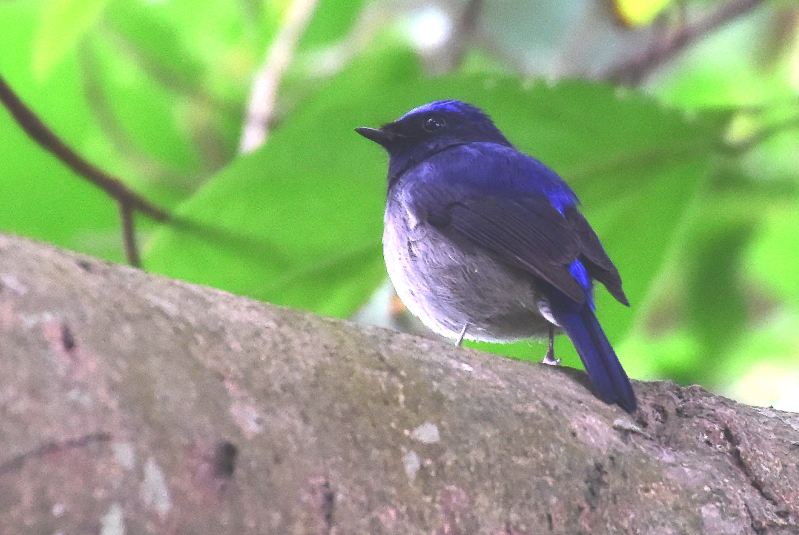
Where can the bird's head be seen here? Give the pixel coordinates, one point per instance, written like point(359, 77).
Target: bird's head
point(429, 129)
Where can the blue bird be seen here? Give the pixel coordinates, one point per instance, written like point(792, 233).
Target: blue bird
point(483, 242)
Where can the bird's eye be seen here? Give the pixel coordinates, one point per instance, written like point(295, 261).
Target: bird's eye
point(433, 123)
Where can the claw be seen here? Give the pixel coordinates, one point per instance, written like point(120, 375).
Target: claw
point(550, 360)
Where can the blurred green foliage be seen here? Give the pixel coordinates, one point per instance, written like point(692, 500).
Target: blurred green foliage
point(640, 12)
point(690, 178)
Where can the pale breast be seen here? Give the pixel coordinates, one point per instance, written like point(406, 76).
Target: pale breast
point(447, 287)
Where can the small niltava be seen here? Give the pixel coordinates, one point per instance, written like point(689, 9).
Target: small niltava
point(483, 242)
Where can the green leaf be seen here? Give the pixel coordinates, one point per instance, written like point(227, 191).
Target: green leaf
point(715, 303)
point(144, 118)
point(330, 22)
point(672, 355)
point(61, 25)
point(208, 50)
point(770, 259)
point(309, 202)
point(315, 192)
point(709, 302)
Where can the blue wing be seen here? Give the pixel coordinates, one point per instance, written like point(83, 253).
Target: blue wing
point(501, 200)
point(497, 199)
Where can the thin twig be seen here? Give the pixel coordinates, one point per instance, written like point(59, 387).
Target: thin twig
point(45, 137)
point(261, 105)
point(128, 200)
point(129, 235)
point(633, 70)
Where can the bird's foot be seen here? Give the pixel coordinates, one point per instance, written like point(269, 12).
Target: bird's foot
point(550, 360)
point(459, 341)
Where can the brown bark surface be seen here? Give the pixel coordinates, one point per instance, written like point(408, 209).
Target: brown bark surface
point(135, 404)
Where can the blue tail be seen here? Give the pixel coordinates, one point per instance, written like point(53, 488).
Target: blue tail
point(600, 361)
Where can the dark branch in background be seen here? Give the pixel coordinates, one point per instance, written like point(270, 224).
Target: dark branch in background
point(633, 71)
point(40, 133)
point(129, 235)
point(464, 33)
point(129, 201)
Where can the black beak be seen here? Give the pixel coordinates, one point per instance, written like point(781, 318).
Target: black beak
point(379, 136)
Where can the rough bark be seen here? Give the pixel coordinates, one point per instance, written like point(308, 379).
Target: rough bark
point(136, 404)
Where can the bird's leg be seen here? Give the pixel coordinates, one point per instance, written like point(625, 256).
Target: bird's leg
point(549, 358)
point(463, 333)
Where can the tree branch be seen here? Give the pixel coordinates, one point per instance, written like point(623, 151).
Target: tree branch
point(261, 106)
point(632, 71)
point(268, 420)
point(129, 201)
point(464, 33)
point(45, 137)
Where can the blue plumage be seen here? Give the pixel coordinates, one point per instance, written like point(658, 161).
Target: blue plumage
point(599, 359)
point(486, 243)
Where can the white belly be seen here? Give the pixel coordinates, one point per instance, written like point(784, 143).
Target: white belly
point(447, 288)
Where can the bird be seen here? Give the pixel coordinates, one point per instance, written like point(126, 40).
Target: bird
point(483, 242)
